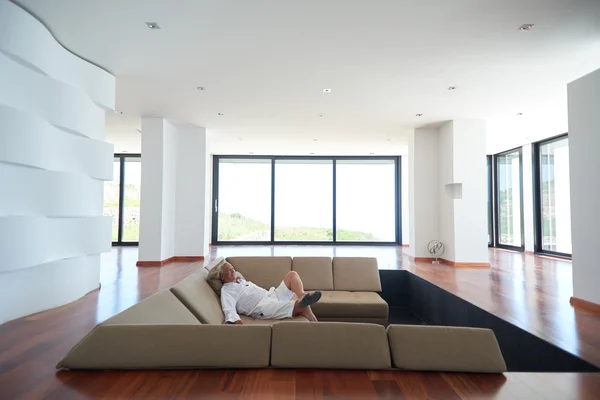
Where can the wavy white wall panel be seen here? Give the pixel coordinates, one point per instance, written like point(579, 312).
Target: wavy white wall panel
point(56, 102)
point(25, 38)
point(48, 193)
point(48, 285)
point(29, 140)
point(53, 162)
point(30, 241)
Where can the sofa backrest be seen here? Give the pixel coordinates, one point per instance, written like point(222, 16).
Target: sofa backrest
point(197, 295)
point(265, 272)
point(356, 274)
point(316, 272)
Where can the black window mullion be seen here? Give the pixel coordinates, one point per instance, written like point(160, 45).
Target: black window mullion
point(121, 197)
point(398, 193)
point(334, 202)
point(272, 199)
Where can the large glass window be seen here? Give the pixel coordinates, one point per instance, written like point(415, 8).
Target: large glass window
point(306, 199)
point(244, 200)
point(122, 199)
point(303, 200)
point(131, 207)
point(365, 200)
point(111, 199)
point(509, 209)
point(553, 202)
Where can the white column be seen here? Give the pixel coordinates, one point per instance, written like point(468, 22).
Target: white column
point(157, 202)
point(192, 221)
point(53, 164)
point(470, 202)
point(584, 143)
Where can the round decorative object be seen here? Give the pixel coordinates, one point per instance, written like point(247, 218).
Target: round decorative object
point(436, 249)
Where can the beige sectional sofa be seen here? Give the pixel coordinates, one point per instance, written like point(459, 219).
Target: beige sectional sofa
point(183, 328)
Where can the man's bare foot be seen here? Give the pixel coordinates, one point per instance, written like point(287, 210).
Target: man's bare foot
point(310, 299)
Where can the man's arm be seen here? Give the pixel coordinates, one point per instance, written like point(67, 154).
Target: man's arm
point(228, 304)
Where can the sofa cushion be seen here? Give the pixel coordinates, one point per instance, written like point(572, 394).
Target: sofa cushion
point(197, 295)
point(171, 346)
point(315, 272)
point(445, 348)
point(342, 304)
point(251, 321)
point(356, 274)
point(160, 308)
point(329, 345)
point(265, 272)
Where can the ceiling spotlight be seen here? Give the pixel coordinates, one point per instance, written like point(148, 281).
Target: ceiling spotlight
point(200, 88)
point(153, 25)
point(320, 115)
point(312, 153)
point(139, 130)
point(419, 115)
point(451, 87)
point(326, 90)
point(519, 114)
point(221, 114)
point(314, 140)
point(371, 153)
point(240, 139)
point(251, 152)
point(389, 140)
point(526, 27)
point(118, 112)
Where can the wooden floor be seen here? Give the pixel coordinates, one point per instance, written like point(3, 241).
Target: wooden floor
point(528, 291)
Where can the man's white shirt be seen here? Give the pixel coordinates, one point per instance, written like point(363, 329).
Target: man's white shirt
point(240, 298)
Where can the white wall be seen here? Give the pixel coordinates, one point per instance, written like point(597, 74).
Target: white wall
point(169, 187)
point(446, 198)
point(405, 201)
point(53, 162)
point(584, 142)
point(193, 193)
point(423, 190)
point(470, 210)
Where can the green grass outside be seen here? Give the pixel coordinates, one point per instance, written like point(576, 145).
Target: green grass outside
point(237, 227)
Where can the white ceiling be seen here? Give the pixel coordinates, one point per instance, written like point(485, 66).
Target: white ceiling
point(265, 63)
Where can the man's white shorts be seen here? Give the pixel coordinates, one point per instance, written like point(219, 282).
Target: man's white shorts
point(277, 304)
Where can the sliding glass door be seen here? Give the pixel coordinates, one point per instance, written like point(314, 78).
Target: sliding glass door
point(509, 199)
point(292, 200)
point(552, 197)
point(244, 204)
point(122, 199)
point(365, 200)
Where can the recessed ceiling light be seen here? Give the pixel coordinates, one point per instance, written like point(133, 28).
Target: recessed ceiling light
point(312, 153)
point(139, 130)
point(419, 115)
point(221, 114)
point(123, 151)
point(314, 140)
point(371, 153)
point(526, 27)
point(451, 87)
point(519, 114)
point(200, 88)
point(118, 112)
point(251, 152)
point(389, 140)
point(320, 115)
point(240, 139)
point(153, 25)
point(326, 90)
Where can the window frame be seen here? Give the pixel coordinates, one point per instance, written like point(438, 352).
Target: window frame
point(537, 200)
point(497, 243)
point(215, 191)
point(491, 197)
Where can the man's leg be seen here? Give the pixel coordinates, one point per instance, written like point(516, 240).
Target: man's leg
point(294, 283)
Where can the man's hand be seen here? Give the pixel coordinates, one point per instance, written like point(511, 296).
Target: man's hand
point(238, 322)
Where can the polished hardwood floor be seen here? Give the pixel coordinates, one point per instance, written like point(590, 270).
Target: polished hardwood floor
point(529, 291)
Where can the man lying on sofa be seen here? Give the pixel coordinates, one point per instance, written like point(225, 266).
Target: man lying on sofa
point(238, 296)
